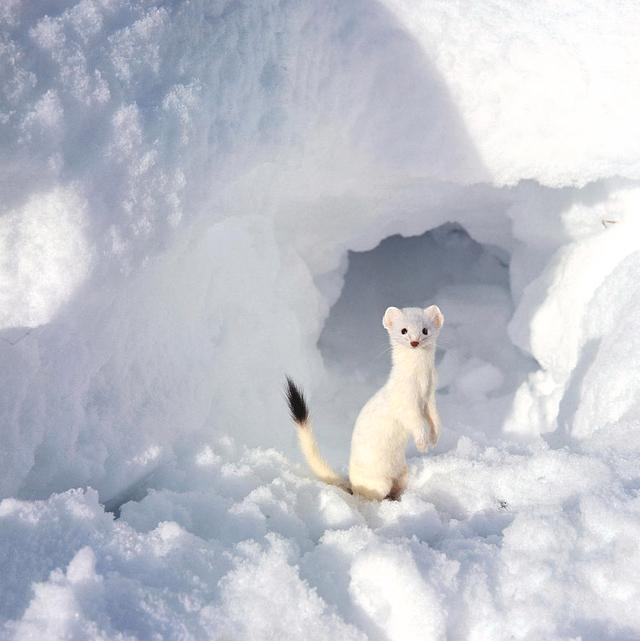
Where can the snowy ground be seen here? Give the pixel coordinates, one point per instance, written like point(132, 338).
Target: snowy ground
point(489, 542)
point(199, 196)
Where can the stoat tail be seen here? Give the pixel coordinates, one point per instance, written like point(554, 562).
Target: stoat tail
point(300, 415)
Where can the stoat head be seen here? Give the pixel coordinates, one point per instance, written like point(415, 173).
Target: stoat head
point(413, 328)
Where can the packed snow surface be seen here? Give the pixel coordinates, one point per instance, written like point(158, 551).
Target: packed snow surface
point(199, 196)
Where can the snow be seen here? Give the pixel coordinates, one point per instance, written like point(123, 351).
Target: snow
point(45, 253)
point(546, 91)
point(198, 197)
point(499, 541)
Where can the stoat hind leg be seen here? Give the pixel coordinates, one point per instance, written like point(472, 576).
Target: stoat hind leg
point(399, 485)
point(375, 488)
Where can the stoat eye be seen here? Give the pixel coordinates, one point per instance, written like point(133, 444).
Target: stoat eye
point(403, 330)
point(425, 331)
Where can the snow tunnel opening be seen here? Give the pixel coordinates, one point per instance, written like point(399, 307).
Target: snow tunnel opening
point(479, 368)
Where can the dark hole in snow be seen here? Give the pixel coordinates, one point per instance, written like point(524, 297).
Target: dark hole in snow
point(469, 281)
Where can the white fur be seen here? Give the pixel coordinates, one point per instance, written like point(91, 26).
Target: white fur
point(405, 407)
point(315, 460)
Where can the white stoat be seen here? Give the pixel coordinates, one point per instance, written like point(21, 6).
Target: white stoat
point(404, 407)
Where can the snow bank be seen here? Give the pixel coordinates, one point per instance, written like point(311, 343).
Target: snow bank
point(209, 166)
point(569, 306)
point(194, 200)
point(546, 92)
point(487, 543)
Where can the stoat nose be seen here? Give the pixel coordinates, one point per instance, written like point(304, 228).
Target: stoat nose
point(414, 343)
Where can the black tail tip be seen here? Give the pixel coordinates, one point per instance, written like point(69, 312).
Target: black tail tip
point(297, 404)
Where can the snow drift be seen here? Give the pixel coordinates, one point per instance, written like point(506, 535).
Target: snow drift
point(195, 198)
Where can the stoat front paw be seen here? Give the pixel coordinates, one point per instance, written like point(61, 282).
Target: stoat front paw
point(434, 435)
point(422, 442)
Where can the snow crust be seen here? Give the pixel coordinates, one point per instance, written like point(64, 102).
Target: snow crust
point(197, 197)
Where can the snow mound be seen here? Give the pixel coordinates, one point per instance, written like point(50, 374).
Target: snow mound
point(182, 183)
point(198, 197)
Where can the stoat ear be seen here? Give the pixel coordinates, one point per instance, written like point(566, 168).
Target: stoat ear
point(390, 317)
point(434, 314)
